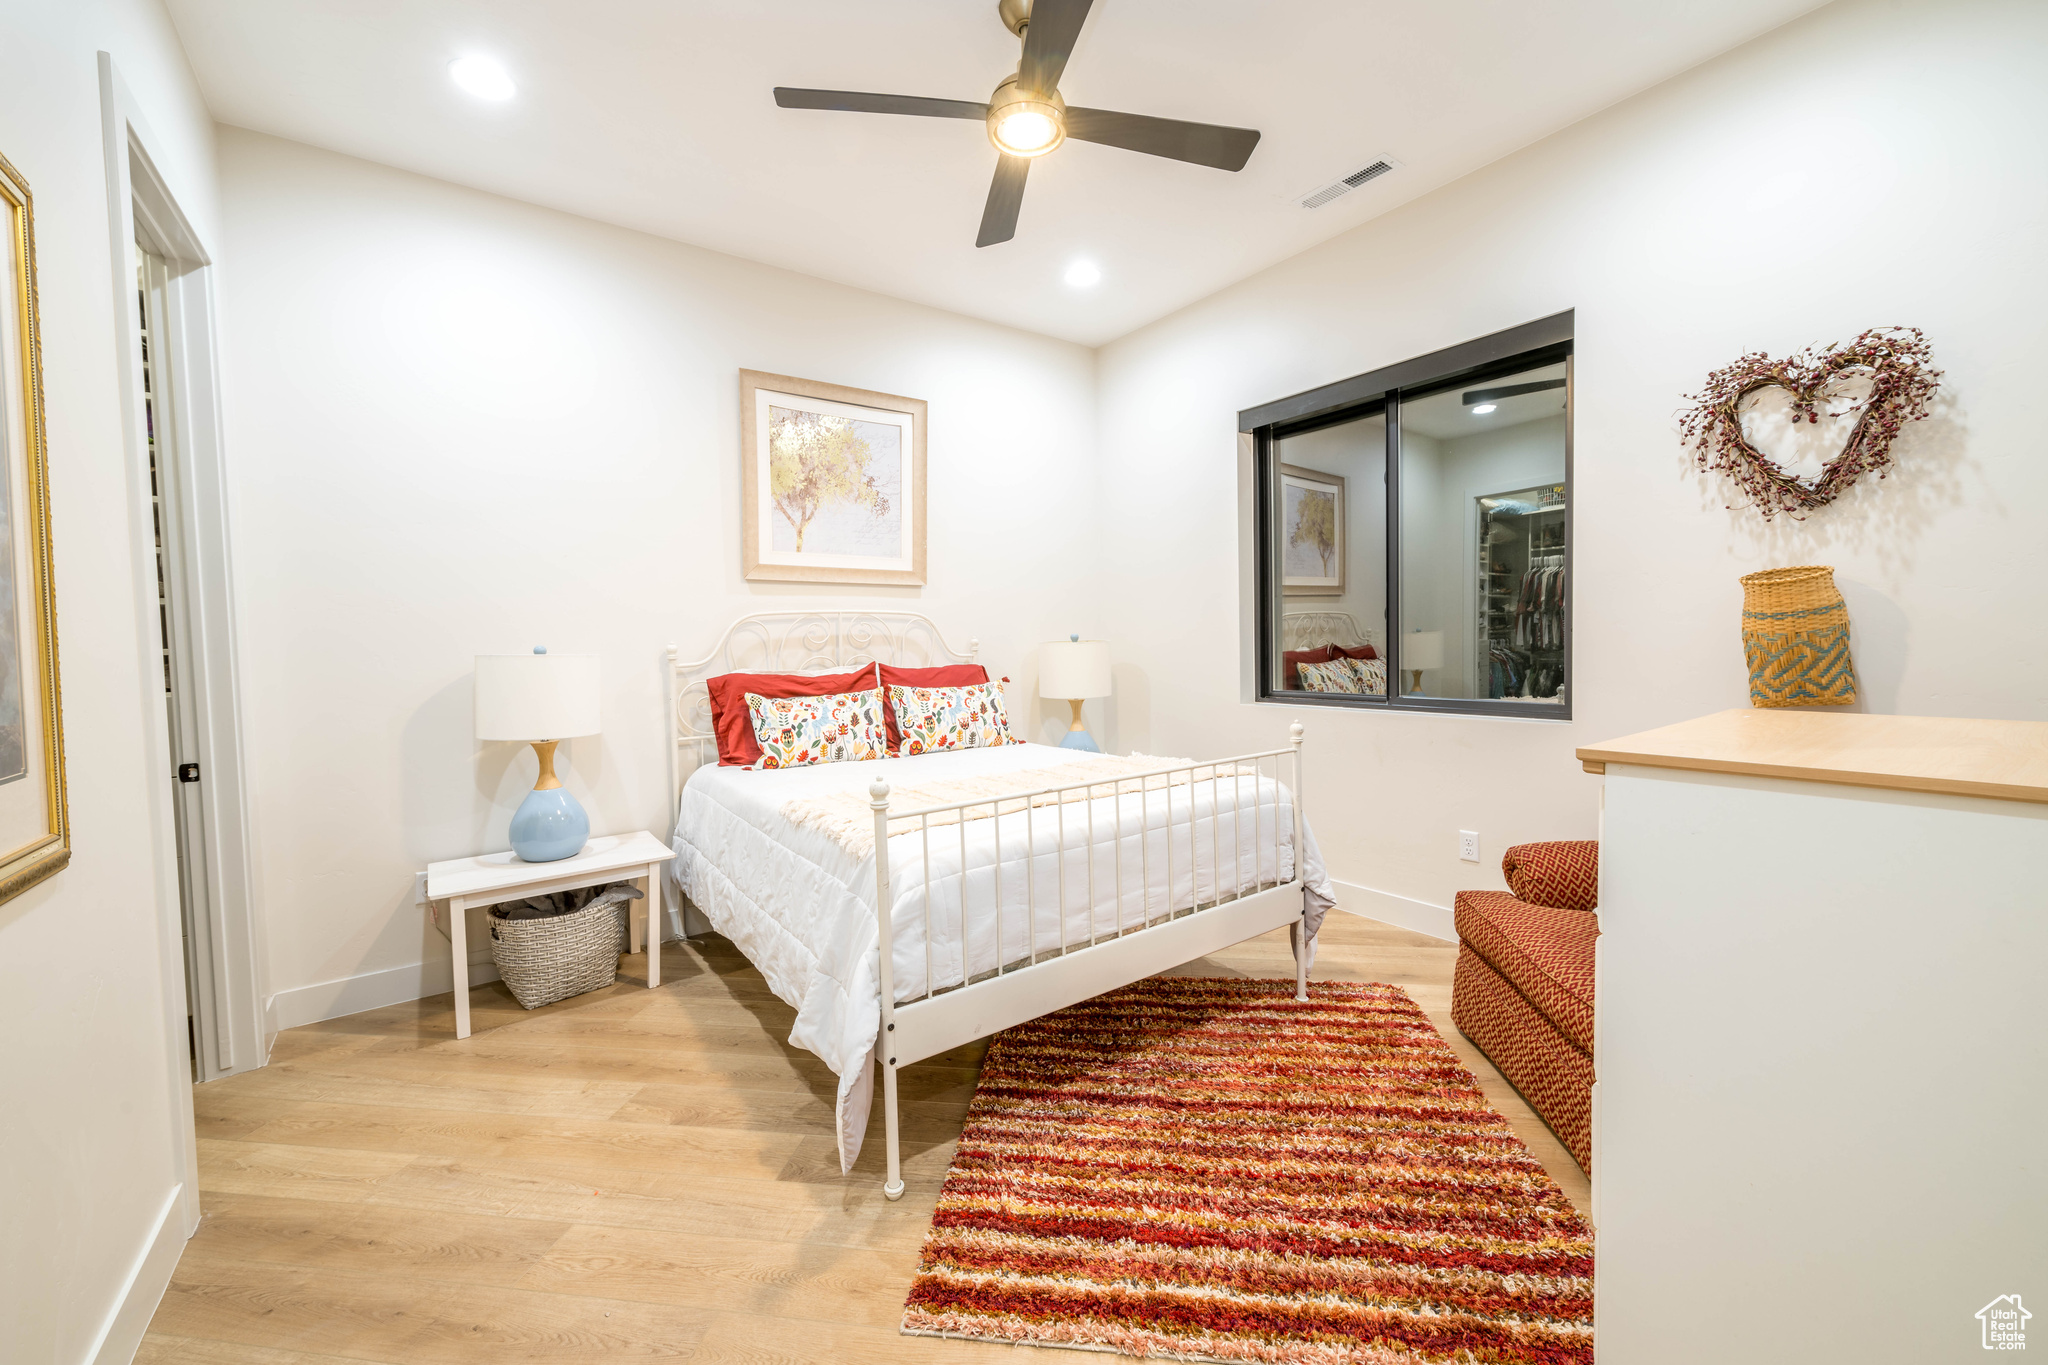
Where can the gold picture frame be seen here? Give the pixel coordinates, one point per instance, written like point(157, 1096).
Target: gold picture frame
point(831, 482)
point(35, 822)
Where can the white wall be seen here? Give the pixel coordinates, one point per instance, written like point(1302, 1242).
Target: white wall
point(1875, 163)
point(89, 1141)
point(465, 425)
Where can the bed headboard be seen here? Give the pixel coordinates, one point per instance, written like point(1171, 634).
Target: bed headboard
point(1308, 629)
point(790, 642)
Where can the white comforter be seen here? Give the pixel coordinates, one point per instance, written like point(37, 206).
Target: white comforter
point(802, 908)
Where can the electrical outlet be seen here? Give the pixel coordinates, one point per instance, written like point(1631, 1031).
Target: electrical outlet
point(1468, 845)
point(419, 888)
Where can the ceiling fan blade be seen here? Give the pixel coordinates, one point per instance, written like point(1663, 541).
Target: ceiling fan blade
point(853, 101)
point(1005, 197)
point(1049, 41)
point(1205, 144)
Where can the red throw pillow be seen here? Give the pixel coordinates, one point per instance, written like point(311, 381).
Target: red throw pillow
point(1319, 655)
point(1367, 652)
point(731, 722)
point(943, 675)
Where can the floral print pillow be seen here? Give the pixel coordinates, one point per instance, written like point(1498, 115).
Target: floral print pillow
point(1344, 675)
point(844, 727)
point(1333, 676)
point(933, 718)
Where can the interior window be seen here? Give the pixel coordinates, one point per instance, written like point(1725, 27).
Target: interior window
point(1414, 532)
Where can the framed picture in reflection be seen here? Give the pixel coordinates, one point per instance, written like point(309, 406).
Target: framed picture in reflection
point(1311, 532)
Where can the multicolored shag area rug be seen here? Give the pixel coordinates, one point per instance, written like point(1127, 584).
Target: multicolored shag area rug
point(1203, 1168)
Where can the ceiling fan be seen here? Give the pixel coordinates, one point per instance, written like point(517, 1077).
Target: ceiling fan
point(1026, 118)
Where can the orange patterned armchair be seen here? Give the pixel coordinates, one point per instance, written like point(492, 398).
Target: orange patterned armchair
point(1523, 990)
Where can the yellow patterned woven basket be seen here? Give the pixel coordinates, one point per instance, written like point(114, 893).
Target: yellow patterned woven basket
point(1795, 634)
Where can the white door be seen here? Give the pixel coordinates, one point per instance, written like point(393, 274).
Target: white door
point(212, 1040)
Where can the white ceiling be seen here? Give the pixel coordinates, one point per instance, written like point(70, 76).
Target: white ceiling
point(1446, 417)
point(656, 115)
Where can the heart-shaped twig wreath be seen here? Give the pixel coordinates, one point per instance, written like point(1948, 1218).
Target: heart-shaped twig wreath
point(1897, 361)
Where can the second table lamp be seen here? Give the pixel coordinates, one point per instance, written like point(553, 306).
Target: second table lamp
point(1074, 669)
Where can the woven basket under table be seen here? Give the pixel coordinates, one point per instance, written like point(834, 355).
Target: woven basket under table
point(1795, 635)
point(545, 960)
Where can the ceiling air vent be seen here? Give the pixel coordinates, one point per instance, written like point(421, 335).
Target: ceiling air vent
point(1323, 194)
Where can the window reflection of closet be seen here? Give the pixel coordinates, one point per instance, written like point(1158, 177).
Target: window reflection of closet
point(1520, 647)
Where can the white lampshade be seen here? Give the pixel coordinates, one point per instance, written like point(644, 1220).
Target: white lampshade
point(533, 697)
point(1073, 668)
point(1422, 649)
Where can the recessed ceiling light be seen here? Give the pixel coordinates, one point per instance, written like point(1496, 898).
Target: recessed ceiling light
point(1482, 409)
point(1083, 275)
point(482, 77)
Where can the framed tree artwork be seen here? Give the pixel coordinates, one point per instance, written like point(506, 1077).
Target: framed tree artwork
point(832, 482)
point(35, 824)
point(1311, 532)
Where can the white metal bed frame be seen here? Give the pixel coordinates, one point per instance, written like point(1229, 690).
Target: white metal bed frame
point(1307, 629)
point(1163, 936)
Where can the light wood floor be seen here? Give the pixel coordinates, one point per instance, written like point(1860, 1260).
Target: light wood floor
point(630, 1173)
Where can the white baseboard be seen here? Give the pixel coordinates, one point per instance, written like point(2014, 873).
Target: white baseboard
point(397, 985)
point(374, 990)
point(121, 1334)
point(1399, 911)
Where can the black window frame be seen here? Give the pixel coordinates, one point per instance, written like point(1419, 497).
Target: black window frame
point(1543, 342)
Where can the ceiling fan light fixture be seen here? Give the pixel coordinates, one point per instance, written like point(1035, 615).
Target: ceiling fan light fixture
point(1021, 124)
point(1027, 132)
point(1026, 118)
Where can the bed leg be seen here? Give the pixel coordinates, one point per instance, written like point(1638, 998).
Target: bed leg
point(1299, 942)
point(1295, 934)
point(894, 1188)
point(885, 960)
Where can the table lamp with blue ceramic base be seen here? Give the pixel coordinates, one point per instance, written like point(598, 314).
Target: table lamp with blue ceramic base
point(1074, 669)
point(540, 699)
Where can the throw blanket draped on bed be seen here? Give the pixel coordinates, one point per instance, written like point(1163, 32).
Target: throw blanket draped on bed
point(848, 817)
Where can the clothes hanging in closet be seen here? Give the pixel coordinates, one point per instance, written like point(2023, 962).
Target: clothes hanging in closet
point(1539, 606)
point(1509, 671)
point(1517, 673)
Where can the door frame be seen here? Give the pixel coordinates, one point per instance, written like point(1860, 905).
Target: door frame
point(229, 1009)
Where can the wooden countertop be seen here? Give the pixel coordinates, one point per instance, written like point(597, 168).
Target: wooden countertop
point(2007, 759)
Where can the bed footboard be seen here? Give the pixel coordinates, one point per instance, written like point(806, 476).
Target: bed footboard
point(1159, 932)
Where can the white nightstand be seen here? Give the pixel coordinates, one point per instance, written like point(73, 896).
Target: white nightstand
point(495, 877)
